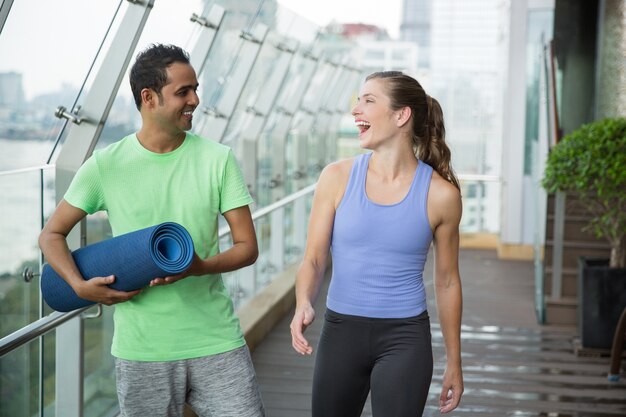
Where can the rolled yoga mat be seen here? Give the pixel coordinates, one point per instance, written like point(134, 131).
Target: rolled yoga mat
point(134, 258)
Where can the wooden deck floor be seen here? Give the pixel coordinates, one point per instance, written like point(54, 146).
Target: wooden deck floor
point(512, 366)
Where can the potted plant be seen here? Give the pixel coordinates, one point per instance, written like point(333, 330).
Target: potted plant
point(590, 162)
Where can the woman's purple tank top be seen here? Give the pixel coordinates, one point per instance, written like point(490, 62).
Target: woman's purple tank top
point(379, 251)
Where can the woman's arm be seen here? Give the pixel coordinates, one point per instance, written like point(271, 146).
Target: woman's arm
point(445, 200)
point(310, 275)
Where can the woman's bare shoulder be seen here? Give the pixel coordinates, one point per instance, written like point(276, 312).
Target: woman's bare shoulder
point(338, 170)
point(334, 179)
point(443, 190)
point(444, 199)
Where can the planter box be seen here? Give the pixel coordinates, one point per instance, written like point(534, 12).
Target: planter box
point(602, 298)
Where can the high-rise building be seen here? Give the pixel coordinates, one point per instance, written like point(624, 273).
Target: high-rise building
point(466, 75)
point(416, 27)
point(11, 89)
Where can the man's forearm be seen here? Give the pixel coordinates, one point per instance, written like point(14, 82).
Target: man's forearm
point(57, 254)
point(238, 256)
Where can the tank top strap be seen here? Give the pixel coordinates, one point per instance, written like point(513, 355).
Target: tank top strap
point(421, 185)
point(356, 181)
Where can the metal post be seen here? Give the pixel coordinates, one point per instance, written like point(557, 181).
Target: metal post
point(277, 238)
point(557, 244)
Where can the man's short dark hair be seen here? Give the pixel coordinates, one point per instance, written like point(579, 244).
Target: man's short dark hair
point(150, 68)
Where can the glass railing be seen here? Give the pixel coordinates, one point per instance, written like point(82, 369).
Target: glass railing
point(27, 351)
point(281, 234)
point(27, 361)
point(25, 193)
point(481, 204)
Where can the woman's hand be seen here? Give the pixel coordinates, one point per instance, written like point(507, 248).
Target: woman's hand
point(302, 319)
point(451, 389)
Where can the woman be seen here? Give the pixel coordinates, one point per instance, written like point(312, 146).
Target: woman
point(379, 213)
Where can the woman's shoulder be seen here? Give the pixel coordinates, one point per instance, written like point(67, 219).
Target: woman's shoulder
point(338, 169)
point(443, 197)
point(334, 179)
point(443, 188)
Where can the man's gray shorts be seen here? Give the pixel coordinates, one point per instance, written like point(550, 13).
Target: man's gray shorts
point(222, 385)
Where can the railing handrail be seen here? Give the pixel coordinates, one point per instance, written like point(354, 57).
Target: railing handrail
point(479, 177)
point(24, 170)
point(35, 329)
point(53, 320)
point(273, 207)
point(462, 177)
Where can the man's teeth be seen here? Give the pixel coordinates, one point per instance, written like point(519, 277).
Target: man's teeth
point(362, 123)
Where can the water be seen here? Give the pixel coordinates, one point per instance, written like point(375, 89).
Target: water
point(20, 201)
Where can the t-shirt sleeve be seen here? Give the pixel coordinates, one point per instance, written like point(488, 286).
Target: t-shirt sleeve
point(234, 189)
point(85, 190)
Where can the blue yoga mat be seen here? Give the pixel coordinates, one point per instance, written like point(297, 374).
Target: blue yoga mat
point(134, 258)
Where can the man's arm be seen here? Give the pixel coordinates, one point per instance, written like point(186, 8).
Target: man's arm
point(53, 243)
point(244, 251)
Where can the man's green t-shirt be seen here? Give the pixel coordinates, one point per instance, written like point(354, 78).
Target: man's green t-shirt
point(191, 186)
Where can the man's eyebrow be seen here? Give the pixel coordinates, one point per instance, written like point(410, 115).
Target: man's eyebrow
point(183, 87)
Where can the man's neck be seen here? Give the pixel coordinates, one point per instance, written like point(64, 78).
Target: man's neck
point(159, 141)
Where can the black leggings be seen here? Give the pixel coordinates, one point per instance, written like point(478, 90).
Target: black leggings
point(393, 357)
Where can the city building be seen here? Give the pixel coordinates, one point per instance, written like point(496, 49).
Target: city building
point(416, 27)
point(11, 89)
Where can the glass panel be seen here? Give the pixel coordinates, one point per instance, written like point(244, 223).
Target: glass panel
point(223, 57)
point(466, 77)
point(480, 214)
point(21, 198)
point(296, 27)
point(19, 381)
point(100, 397)
point(319, 83)
point(266, 156)
point(317, 141)
point(244, 122)
point(298, 155)
point(245, 14)
point(264, 266)
point(20, 222)
point(539, 30)
point(294, 246)
point(40, 72)
point(241, 283)
point(292, 249)
point(48, 374)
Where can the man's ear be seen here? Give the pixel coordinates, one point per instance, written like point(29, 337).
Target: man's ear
point(403, 116)
point(148, 98)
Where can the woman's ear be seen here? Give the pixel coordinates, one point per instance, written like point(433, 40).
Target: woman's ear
point(403, 116)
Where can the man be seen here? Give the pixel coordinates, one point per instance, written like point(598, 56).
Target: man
point(177, 340)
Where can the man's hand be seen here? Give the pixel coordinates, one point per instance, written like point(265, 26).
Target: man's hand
point(197, 267)
point(96, 289)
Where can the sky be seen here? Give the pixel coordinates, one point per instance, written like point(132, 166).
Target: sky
point(384, 13)
point(47, 65)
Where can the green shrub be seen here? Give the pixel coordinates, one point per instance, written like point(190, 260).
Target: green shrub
point(591, 163)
